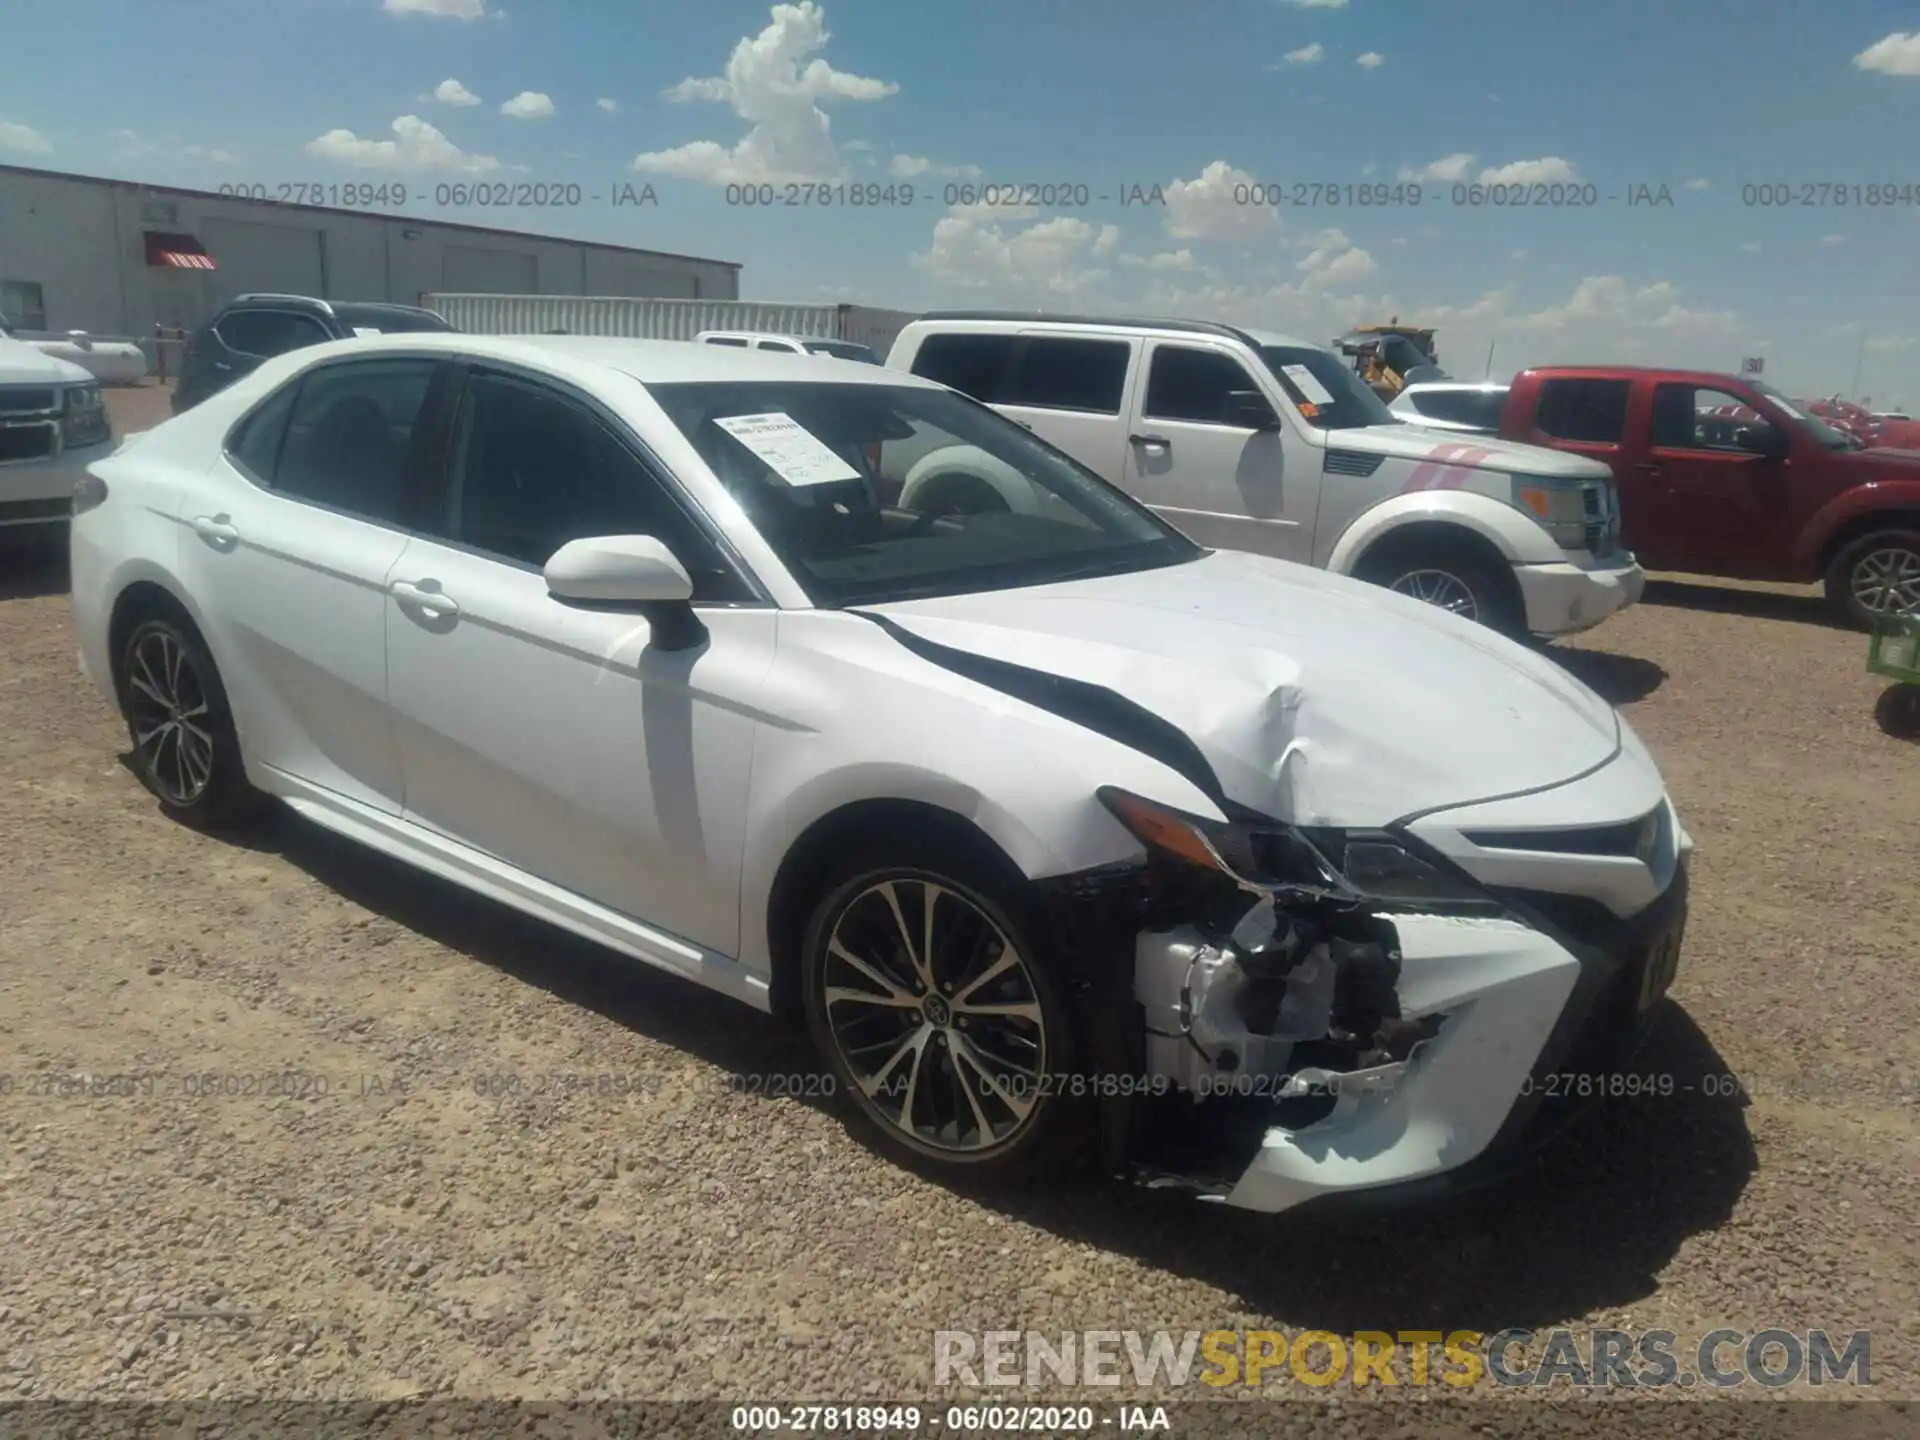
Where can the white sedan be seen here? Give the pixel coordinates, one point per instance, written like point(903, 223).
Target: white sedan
point(1064, 836)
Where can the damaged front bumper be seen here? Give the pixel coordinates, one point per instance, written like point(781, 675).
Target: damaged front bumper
point(1385, 1054)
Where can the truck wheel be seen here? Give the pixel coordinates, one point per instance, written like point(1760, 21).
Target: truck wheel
point(1451, 577)
point(1878, 574)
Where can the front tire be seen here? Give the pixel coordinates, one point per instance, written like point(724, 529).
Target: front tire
point(1452, 578)
point(930, 996)
point(185, 747)
point(1875, 575)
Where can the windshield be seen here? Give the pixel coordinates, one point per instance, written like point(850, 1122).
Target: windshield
point(390, 322)
point(870, 493)
point(842, 350)
point(1822, 432)
point(1327, 393)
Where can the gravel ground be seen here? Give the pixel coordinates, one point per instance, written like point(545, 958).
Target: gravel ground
point(402, 1235)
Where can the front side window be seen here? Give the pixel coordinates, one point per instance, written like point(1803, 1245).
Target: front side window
point(1590, 411)
point(870, 493)
point(1698, 417)
point(1194, 385)
point(843, 350)
point(350, 435)
point(534, 469)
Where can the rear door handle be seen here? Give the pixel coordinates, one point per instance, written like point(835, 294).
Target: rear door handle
point(217, 530)
point(221, 365)
point(1151, 441)
point(427, 596)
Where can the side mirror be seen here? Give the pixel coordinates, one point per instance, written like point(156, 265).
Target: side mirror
point(629, 572)
point(1249, 410)
point(1764, 439)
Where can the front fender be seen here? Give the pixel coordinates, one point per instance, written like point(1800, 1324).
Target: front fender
point(1898, 499)
point(1512, 532)
point(970, 460)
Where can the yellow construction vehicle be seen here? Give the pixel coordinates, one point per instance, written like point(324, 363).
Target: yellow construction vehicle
point(1392, 356)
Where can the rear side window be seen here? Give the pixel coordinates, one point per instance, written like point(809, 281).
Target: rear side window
point(255, 445)
point(1479, 408)
point(779, 345)
point(972, 364)
point(1590, 410)
point(1194, 385)
point(267, 333)
point(726, 340)
point(350, 434)
point(1067, 374)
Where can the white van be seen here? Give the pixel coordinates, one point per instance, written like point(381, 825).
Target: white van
point(1249, 440)
point(790, 344)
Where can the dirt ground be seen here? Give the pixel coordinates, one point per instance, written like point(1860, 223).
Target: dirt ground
point(397, 1229)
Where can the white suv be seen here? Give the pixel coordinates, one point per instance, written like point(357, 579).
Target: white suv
point(1249, 440)
point(788, 344)
point(52, 423)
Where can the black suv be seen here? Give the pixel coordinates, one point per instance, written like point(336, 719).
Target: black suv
point(255, 328)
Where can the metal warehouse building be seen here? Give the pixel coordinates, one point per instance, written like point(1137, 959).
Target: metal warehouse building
point(116, 258)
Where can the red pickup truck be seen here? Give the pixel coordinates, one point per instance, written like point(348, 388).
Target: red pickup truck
point(1717, 475)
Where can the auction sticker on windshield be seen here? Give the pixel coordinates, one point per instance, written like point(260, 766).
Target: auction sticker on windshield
point(788, 448)
point(1308, 382)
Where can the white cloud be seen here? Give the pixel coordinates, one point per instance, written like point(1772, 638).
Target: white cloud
point(1833, 240)
point(1306, 55)
point(440, 9)
point(1549, 170)
point(1750, 247)
point(1447, 169)
point(1372, 60)
point(789, 136)
point(452, 92)
point(1702, 184)
point(131, 145)
point(908, 165)
point(1333, 259)
point(1057, 259)
point(1897, 54)
point(23, 138)
point(1215, 205)
point(528, 105)
point(1518, 255)
point(416, 146)
point(1890, 344)
point(1318, 4)
point(608, 107)
point(1181, 259)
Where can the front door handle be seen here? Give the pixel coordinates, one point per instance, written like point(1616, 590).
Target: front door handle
point(221, 365)
point(218, 531)
point(1152, 442)
point(427, 596)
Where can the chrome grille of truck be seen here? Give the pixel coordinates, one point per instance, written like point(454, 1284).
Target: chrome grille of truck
point(1602, 511)
point(19, 400)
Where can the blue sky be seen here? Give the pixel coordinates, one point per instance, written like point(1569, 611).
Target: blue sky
point(1202, 99)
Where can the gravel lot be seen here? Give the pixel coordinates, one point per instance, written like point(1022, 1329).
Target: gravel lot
point(403, 1235)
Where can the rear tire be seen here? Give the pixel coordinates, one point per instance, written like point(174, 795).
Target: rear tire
point(1874, 575)
point(185, 747)
point(1452, 577)
point(971, 1076)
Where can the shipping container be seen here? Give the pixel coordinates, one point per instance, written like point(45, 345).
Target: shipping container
point(649, 319)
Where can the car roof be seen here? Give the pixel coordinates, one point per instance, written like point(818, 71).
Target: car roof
point(1044, 319)
point(1456, 385)
point(651, 362)
point(1628, 372)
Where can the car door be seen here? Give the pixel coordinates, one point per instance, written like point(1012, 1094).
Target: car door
point(287, 545)
point(1711, 505)
point(557, 738)
point(1071, 390)
point(1221, 482)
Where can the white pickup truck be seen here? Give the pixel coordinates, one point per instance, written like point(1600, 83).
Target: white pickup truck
point(53, 423)
point(1248, 440)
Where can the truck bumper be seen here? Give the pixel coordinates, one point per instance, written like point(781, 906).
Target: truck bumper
point(40, 492)
point(1567, 597)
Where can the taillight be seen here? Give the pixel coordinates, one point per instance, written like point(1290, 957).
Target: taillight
point(89, 493)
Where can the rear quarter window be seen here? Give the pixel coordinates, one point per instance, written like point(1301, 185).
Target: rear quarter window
point(1590, 410)
point(974, 365)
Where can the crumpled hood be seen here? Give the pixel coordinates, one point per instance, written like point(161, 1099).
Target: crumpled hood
point(22, 364)
point(1470, 451)
point(1315, 698)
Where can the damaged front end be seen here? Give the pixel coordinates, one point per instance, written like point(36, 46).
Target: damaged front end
point(1261, 1046)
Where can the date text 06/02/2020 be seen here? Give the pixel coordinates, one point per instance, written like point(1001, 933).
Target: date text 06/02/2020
point(447, 195)
point(969, 1419)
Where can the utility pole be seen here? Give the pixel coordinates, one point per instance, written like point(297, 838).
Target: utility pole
point(1859, 360)
point(1487, 374)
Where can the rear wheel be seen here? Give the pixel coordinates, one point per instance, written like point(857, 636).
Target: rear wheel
point(1451, 577)
point(1875, 575)
point(931, 998)
point(185, 748)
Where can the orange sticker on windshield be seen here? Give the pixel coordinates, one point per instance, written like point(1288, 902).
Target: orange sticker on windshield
point(1309, 409)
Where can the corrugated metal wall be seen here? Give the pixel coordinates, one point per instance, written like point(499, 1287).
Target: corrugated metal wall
point(635, 318)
